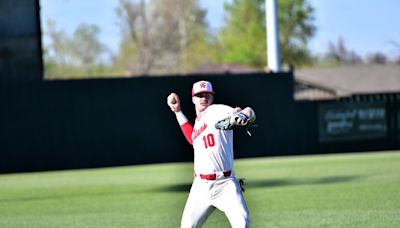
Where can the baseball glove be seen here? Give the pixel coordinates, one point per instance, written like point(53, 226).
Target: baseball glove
point(232, 120)
point(244, 117)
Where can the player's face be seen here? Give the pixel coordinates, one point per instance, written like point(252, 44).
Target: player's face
point(202, 100)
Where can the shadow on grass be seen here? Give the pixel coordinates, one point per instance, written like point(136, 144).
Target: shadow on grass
point(175, 188)
point(72, 195)
point(271, 183)
point(185, 187)
point(299, 181)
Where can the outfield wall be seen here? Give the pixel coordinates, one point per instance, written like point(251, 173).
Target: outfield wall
point(52, 125)
point(20, 40)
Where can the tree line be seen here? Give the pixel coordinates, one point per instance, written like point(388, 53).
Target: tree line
point(164, 37)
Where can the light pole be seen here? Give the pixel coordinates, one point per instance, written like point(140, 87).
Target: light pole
point(273, 53)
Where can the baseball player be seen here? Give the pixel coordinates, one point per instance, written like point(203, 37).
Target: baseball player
point(214, 184)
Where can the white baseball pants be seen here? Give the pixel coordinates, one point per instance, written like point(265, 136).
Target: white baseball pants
point(223, 194)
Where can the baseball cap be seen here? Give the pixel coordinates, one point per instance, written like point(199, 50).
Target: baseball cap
point(202, 87)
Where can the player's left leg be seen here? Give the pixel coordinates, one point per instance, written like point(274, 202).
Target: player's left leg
point(229, 199)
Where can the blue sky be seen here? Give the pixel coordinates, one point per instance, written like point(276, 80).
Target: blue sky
point(366, 26)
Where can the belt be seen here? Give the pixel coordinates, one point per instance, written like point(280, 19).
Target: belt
point(213, 176)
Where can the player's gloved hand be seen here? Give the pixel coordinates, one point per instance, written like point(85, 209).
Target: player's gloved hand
point(244, 117)
point(232, 120)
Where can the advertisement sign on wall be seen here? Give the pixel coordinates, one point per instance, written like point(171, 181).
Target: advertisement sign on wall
point(347, 122)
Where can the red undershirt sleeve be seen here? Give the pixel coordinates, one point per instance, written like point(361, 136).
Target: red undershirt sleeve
point(187, 130)
point(186, 127)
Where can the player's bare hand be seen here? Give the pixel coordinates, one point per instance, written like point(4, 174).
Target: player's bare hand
point(173, 102)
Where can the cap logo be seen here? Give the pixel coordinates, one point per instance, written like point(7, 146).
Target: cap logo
point(202, 87)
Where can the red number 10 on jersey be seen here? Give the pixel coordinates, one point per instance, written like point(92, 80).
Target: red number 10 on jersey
point(209, 140)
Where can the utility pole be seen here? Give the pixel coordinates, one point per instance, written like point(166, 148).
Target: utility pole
point(273, 53)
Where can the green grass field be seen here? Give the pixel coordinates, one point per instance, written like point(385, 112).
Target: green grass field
point(342, 190)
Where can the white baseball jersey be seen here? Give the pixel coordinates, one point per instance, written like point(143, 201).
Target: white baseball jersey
point(213, 148)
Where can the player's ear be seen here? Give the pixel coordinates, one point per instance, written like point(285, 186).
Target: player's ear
point(193, 100)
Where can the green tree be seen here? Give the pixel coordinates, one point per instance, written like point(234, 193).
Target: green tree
point(58, 49)
point(160, 36)
point(75, 56)
point(296, 28)
point(396, 45)
point(86, 48)
point(377, 58)
point(339, 54)
point(243, 39)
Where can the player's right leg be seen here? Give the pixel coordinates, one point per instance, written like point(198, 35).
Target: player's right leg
point(198, 206)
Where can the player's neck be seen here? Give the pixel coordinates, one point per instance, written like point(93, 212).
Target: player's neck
point(199, 112)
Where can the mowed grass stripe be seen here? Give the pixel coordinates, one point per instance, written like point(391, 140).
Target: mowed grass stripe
point(335, 190)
